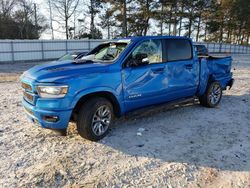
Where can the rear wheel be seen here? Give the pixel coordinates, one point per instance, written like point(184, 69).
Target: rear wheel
point(95, 118)
point(212, 96)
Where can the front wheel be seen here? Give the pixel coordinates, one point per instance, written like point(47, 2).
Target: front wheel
point(212, 96)
point(94, 119)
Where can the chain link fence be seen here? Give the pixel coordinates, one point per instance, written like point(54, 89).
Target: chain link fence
point(40, 50)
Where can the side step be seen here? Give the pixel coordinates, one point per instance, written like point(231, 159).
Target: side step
point(149, 110)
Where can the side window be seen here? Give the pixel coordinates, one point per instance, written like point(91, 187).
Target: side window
point(148, 52)
point(178, 49)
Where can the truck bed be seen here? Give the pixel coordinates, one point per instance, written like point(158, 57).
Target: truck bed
point(219, 68)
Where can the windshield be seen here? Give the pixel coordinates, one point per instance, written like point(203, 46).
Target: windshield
point(106, 52)
point(68, 56)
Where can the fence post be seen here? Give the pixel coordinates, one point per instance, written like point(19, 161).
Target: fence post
point(42, 48)
point(66, 46)
point(89, 44)
point(12, 52)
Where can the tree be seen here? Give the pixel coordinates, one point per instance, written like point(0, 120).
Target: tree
point(241, 12)
point(98, 35)
point(6, 21)
point(180, 13)
point(7, 7)
point(93, 10)
point(107, 21)
point(65, 9)
point(51, 19)
point(168, 15)
point(19, 20)
point(201, 8)
point(143, 12)
point(124, 19)
point(120, 10)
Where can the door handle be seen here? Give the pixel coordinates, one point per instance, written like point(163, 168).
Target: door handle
point(189, 66)
point(158, 70)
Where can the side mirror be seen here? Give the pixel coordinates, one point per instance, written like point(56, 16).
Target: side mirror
point(138, 60)
point(145, 60)
point(140, 56)
point(141, 59)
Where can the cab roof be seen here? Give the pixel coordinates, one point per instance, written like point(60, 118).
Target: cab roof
point(139, 38)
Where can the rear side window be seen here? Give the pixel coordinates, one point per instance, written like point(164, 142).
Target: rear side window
point(178, 49)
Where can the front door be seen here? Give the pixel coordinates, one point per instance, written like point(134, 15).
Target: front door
point(144, 76)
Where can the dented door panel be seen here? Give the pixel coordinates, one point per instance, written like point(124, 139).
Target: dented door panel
point(183, 78)
point(153, 84)
point(144, 85)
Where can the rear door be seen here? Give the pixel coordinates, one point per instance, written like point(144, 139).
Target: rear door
point(181, 67)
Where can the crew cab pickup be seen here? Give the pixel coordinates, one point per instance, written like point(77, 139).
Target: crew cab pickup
point(120, 76)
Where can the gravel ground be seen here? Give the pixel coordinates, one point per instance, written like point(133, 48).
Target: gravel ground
point(10, 72)
point(183, 146)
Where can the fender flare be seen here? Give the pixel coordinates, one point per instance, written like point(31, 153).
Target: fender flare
point(93, 91)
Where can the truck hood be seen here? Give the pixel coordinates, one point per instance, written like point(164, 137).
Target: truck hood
point(59, 71)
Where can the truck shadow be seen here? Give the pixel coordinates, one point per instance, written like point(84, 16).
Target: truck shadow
point(188, 133)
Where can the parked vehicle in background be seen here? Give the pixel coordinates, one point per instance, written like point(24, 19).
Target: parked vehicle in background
point(72, 56)
point(120, 76)
point(201, 50)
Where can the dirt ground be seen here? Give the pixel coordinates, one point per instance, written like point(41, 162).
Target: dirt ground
point(183, 146)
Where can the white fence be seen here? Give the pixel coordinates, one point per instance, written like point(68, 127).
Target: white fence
point(226, 48)
point(36, 50)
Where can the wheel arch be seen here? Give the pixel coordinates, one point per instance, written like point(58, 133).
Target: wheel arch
point(101, 94)
point(204, 82)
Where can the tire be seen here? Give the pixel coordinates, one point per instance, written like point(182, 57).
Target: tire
point(211, 98)
point(61, 132)
point(95, 116)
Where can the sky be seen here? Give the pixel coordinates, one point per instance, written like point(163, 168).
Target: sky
point(43, 8)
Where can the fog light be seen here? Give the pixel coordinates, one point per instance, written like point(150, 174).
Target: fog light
point(50, 118)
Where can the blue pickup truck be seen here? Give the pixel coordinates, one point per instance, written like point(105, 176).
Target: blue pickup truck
point(120, 76)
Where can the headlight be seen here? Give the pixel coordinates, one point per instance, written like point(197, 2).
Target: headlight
point(52, 91)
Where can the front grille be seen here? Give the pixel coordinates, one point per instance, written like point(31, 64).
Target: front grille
point(26, 87)
point(28, 93)
point(29, 97)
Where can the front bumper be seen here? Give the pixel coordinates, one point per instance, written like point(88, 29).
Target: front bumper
point(36, 114)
